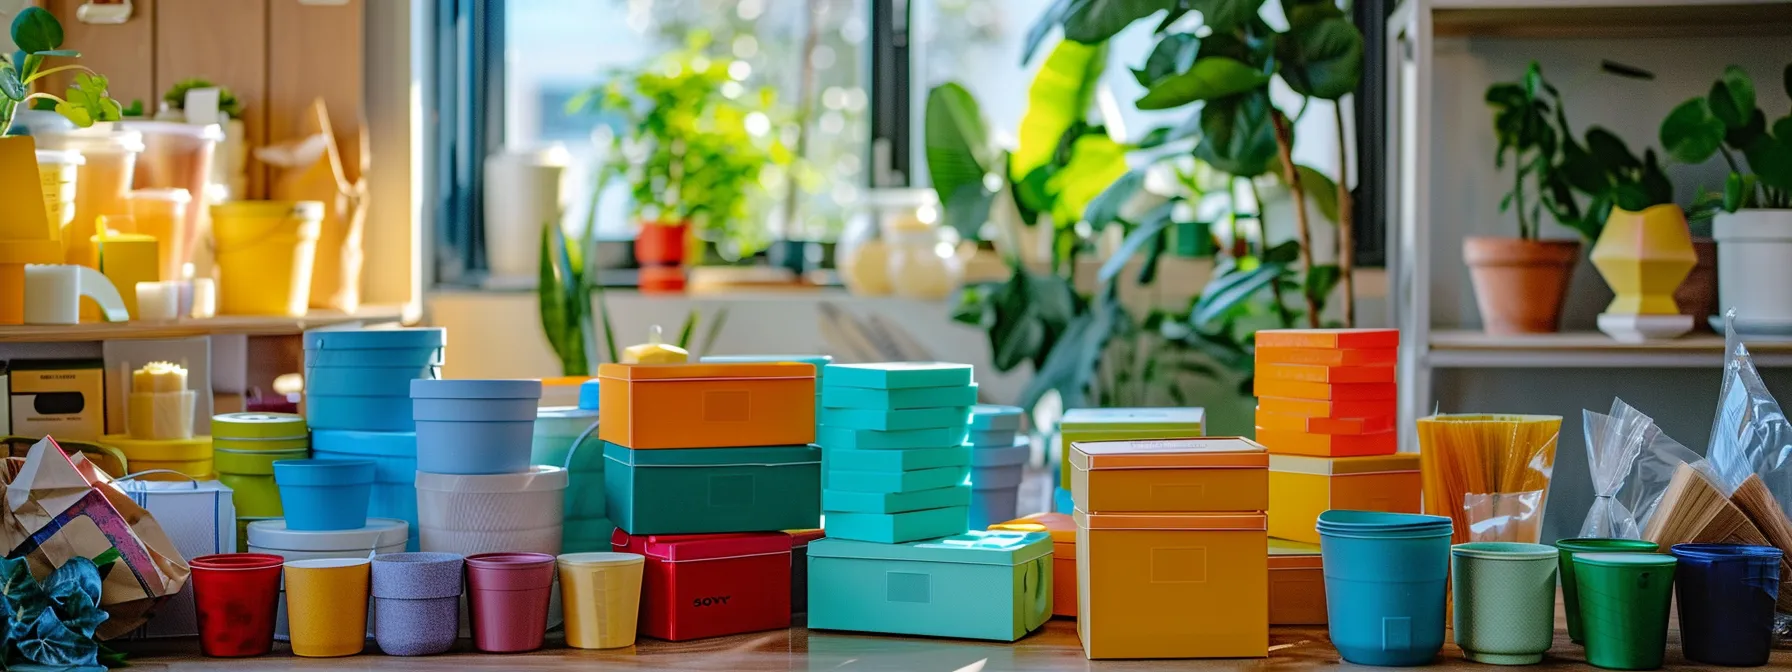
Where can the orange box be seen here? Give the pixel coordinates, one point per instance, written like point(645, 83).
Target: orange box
point(1300, 488)
point(1172, 585)
point(1328, 445)
point(709, 405)
point(1169, 475)
point(1323, 373)
point(1322, 408)
point(1267, 387)
point(1063, 531)
point(1343, 339)
point(1284, 422)
point(1327, 356)
point(1296, 583)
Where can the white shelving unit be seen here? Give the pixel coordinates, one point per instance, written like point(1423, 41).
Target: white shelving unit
point(1441, 55)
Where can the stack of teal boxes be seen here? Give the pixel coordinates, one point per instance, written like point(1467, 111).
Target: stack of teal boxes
point(999, 453)
point(894, 463)
point(357, 401)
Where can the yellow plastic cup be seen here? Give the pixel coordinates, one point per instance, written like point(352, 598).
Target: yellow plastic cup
point(326, 606)
point(265, 251)
point(601, 593)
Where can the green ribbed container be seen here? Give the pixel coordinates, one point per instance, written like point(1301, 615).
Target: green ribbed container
point(713, 490)
point(1624, 600)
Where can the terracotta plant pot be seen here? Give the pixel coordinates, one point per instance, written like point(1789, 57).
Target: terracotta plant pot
point(1697, 296)
point(1520, 285)
point(660, 244)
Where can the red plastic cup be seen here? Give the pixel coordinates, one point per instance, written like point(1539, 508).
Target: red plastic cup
point(508, 596)
point(235, 595)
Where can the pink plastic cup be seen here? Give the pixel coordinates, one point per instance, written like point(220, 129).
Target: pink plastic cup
point(508, 595)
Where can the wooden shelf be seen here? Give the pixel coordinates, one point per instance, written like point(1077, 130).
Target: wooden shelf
point(1611, 18)
point(1475, 349)
point(247, 325)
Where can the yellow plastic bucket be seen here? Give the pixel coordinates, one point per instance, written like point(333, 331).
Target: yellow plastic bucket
point(192, 457)
point(264, 253)
point(602, 598)
point(326, 606)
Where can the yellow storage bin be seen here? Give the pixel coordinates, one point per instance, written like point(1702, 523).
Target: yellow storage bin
point(1301, 487)
point(1296, 583)
point(192, 457)
point(1063, 531)
point(710, 405)
point(1172, 585)
point(1214, 474)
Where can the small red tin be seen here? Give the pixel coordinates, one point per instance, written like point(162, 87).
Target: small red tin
point(711, 585)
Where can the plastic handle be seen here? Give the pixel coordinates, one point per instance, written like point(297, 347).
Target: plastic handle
point(1040, 591)
point(133, 476)
point(574, 450)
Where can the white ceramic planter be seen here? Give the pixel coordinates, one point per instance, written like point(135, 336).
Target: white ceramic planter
point(469, 514)
point(524, 190)
point(1754, 266)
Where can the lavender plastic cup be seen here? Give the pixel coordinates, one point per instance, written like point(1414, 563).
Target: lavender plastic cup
point(416, 602)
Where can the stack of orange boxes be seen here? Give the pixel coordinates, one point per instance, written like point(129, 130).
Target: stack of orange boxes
point(1326, 406)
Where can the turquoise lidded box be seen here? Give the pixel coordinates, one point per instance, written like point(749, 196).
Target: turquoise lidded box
point(898, 375)
point(895, 502)
point(896, 528)
point(894, 460)
point(903, 439)
point(712, 490)
point(994, 585)
point(833, 396)
point(889, 482)
point(899, 420)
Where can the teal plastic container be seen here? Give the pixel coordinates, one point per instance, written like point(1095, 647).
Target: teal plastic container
point(896, 528)
point(556, 429)
point(907, 439)
point(899, 375)
point(895, 400)
point(712, 490)
point(1384, 585)
point(899, 502)
point(994, 585)
point(914, 418)
point(894, 460)
point(889, 482)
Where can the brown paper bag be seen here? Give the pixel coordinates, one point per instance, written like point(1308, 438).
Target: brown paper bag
point(54, 507)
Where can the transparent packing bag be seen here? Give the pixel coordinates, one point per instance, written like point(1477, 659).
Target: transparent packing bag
point(1751, 453)
point(1631, 462)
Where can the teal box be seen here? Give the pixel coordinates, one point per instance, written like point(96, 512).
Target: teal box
point(994, 585)
point(905, 439)
point(895, 502)
point(899, 375)
point(896, 528)
point(886, 482)
point(834, 396)
point(913, 418)
point(712, 490)
point(989, 417)
point(843, 459)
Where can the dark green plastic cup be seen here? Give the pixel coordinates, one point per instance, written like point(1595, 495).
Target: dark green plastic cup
point(1624, 600)
point(1568, 547)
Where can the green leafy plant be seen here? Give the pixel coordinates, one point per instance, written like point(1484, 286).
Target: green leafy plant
point(228, 103)
point(692, 143)
point(51, 623)
point(1728, 122)
point(38, 36)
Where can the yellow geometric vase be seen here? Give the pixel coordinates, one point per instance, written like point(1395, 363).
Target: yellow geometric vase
point(1644, 256)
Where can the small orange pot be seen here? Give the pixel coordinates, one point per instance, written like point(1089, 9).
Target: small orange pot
point(1520, 285)
point(661, 244)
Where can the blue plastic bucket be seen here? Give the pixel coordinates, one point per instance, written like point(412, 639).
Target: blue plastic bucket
point(473, 410)
point(451, 447)
point(985, 478)
point(364, 381)
point(1016, 453)
point(322, 495)
point(1726, 595)
point(375, 339)
point(1385, 577)
point(993, 505)
point(363, 413)
point(417, 358)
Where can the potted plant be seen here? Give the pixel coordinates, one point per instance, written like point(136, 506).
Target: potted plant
point(1754, 227)
point(693, 146)
point(565, 292)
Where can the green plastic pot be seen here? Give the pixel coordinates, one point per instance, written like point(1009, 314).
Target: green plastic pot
point(1624, 601)
point(1505, 601)
point(1568, 547)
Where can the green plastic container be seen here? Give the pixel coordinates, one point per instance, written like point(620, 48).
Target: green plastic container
point(899, 502)
point(899, 375)
point(1505, 601)
point(1624, 601)
point(1122, 424)
point(1565, 566)
point(894, 400)
point(895, 460)
point(889, 482)
point(907, 439)
point(713, 490)
point(896, 528)
point(994, 585)
point(915, 418)
point(250, 476)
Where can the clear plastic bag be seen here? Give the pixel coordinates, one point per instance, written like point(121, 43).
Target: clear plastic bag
point(1631, 462)
point(1751, 452)
point(1489, 473)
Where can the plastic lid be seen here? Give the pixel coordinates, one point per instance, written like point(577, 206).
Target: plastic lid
point(979, 547)
point(367, 444)
point(705, 371)
point(590, 394)
point(1248, 522)
point(213, 132)
point(427, 388)
point(168, 195)
point(685, 547)
point(375, 339)
point(601, 559)
point(1061, 527)
point(1213, 452)
point(1505, 550)
point(1727, 552)
point(61, 156)
point(992, 417)
point(258, 425)
point(1625, 559)
point(379, 533)
point(1597, 544)
point(98, 138)
point(1333, 466)
point(536, 479)
point(1131, 418)
point(1344, 519)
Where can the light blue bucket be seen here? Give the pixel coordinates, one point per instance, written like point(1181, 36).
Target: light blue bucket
point(474, 426)
point(414, 358)
point(363, 413)
point(1385, 577)
point(395, 469)
point(364, 381)
point(324, 495)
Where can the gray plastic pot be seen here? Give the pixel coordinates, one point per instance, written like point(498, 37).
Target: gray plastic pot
point(416, 600)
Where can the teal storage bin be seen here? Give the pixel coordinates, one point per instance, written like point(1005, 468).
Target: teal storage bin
point(894, 460)
point(895, 528)
point(907, 439)
point(895, 481)
point(914, 418)
point(712, 490)
point(899, 375)
point(994, 585)
point(895, 400)
point(897, 502)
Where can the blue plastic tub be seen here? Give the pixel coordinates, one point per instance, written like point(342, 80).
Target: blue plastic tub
point(1385, 575)
point(395, 469)
point(449, 447)
point(375, 339)
point(323, 495)
point(419, 358)
point(365, 381)
point(474, 410)
point(1726, 595)
point(363, 413)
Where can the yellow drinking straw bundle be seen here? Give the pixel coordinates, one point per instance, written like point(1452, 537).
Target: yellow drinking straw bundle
point(1488, 473)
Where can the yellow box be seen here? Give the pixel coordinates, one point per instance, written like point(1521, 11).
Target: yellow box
point(63, 398)
point(710, 405)
point(1123, 424)
point(1301, 487)
point(1176, 585)
point(1215, 474)
point(1063, 531)
point(1296, 583)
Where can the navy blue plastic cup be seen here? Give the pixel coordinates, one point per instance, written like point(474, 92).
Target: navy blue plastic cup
point(1726, 594)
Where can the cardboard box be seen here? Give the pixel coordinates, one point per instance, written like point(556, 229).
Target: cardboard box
point(64, 398)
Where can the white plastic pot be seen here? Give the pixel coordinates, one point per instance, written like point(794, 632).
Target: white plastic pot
point(486, 513)
point(1754, 266)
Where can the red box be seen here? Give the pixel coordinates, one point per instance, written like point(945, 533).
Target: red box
point(710, 585)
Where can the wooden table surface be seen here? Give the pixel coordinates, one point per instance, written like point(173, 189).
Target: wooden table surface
point(1054, 647)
